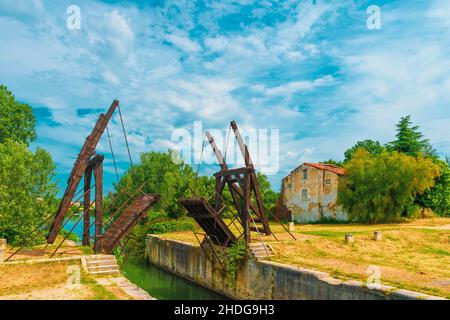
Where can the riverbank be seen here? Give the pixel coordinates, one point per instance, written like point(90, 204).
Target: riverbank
point(413, 256)
point(62, 279)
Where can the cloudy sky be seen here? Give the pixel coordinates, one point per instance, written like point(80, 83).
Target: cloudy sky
point(311, 69)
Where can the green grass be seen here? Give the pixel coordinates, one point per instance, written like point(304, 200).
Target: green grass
point(332, 234)
point(100, 292)
point(436, 251)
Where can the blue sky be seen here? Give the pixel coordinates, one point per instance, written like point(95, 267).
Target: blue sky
point(311, 69)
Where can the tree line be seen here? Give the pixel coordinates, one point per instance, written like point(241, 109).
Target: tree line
point(404, 178)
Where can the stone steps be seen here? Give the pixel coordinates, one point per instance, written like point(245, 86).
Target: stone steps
point(101, 264)
point(261, 251)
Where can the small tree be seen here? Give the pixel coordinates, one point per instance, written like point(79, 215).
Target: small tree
point(381, 188)
point(27, 193)
point(371, 146)
point(17, 122)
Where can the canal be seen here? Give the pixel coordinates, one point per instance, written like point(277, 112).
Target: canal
point(164, 285)
point(159, 283)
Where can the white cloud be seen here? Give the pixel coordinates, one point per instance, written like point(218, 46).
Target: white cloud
point(22, 9)
point(297, 86)
point(184, 43)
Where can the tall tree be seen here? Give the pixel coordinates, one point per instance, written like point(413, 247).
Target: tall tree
point(27, 191)
point(409, 140)
point(16, 119)
point(371, 146)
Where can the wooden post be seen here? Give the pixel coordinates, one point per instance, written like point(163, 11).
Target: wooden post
point(245, 213)
point(377, 236)
point(87, 205)
point(349, 238)
point(98, 174)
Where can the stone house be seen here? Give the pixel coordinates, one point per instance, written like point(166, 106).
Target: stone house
point(309, 193)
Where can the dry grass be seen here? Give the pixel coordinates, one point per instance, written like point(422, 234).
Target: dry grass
point(23, 278)
point(48, 281)
point(414, 255)
point(67, 249)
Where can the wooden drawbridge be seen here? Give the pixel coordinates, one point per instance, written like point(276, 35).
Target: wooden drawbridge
point(209, 220)
point(126, 221)
point(89, 165)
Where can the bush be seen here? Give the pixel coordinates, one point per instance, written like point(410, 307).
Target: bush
point(157, 225)
point(438, 197)
point(382, 188)
point(171, 226)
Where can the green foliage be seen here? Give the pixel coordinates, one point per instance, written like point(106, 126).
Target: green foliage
point(269, 196)
point(333, 162)
point(234, 255)
point(72, 236)
point(409, 140)
point(27, 193)
point(171, 226)
point(120, 257)
point(17, 122)
point(157, 223)
point(438, 197)
point(371, 146)
point(158, 173)
point(381, 188)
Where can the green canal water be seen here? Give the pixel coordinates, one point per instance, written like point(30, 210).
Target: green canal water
point(163, 285)
point(159, 283)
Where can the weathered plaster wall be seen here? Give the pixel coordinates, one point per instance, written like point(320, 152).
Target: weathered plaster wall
point(321, 201)
point(262, 280)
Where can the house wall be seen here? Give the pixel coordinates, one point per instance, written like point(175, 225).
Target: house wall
point(321, 201)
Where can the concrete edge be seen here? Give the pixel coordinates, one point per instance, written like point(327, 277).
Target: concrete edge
point(392, 293)
point(43, 260)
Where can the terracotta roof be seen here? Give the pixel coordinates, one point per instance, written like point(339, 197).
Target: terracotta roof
point(326, 167)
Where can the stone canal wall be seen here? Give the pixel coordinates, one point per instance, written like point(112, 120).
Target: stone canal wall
point(263, 279)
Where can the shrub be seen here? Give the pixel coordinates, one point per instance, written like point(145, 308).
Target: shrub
point(382, 188)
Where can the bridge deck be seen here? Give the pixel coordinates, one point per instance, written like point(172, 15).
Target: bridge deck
point(126, 221)
point(209, 221)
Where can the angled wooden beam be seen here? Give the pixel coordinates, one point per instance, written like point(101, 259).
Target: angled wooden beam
point(261, 212)
point(87, 151)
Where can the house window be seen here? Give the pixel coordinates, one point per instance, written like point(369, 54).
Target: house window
point(327, 181)
point(289, 185)
point(304, 194)
point(305, 174)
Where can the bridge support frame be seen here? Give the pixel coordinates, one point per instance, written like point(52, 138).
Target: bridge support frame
point(95, 167)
